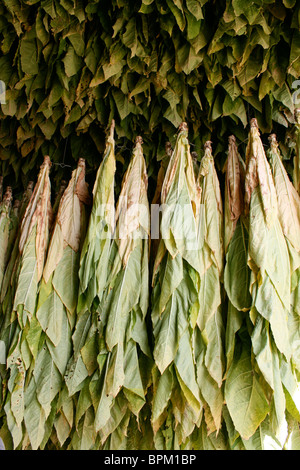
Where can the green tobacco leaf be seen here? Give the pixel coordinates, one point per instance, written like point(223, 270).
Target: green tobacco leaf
point(34, 418)
point(245, 398)
point(5, 223)
point(33, 242)
point(294, 60)
point(271, 293)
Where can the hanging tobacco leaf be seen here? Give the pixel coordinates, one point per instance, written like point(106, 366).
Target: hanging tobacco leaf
point(177, 407)
point(5, 229)
point(210, 339)
point(296, 162)
point(124, 357)
point(33, 244)
point(11, 272)
point(271, 383)
point(8, 319)
point(237, 271)
point(55, 312)
point(93, 272)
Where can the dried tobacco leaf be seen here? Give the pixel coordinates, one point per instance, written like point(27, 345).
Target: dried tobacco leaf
point(33, 244)
point(296, 162)
point(176, 279)
point(264, 349)
point(124, 357)
point(55, 312)
point(93, 273)
point(210, 338)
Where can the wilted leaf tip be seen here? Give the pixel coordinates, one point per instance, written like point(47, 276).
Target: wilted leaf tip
point(183, 127)
point(81, 163)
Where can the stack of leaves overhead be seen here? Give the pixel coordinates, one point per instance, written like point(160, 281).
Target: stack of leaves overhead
point(55, 313)
point(32, 245)
point(69, 66)
point(236, 280)
point(209, 341)
point(82, 372)
point(177, 407)
point(237, 271)
point(260, 383)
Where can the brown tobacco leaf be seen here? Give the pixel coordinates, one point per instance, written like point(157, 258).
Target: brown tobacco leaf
point(67, 229)
point(39, 213)
point(68, 220)
point(161, 174)
point(81, 189)
point(234, 194)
